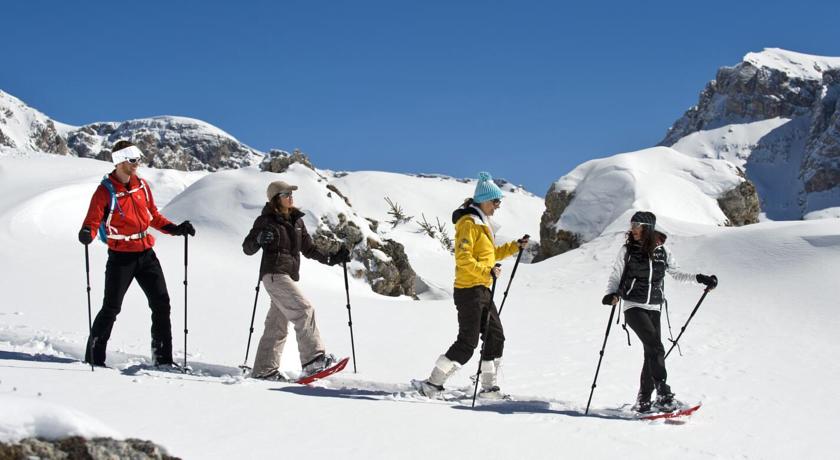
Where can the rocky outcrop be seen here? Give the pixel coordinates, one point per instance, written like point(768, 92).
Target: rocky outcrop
point(176, 143)
point(553, 240)
point(821, 165)
point(167, 142)
point(776, 83)
point(742, 94)
point(278, 161)
point(76, 447)
point(46, 138)
point(388, 269)
point(386, 265)
point(741, 204)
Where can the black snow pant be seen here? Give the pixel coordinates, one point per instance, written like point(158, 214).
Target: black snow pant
point(645, 323)
point(122, 268)
point(474, 304)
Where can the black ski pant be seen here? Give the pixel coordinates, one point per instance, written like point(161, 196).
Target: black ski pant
point(645, 323)
point(122, 268)
point(474, 305)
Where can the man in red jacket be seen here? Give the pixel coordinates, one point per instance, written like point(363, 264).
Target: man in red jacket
point(121, 211)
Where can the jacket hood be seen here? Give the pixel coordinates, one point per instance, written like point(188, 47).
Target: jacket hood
point(463, 211)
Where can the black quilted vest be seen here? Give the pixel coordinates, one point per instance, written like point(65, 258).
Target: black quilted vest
point(643, 276)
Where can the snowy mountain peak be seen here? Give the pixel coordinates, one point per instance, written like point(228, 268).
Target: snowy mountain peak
point(776, 115)
point(795, 65)
point(24, 128)
point(173, 142)
point(164, 122)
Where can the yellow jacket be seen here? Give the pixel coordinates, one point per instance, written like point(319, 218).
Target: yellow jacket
point(476, 252)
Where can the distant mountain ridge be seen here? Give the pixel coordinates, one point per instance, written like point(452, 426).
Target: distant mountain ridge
point(168, 142)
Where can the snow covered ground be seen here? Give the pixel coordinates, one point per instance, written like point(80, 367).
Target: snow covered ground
point(759, 354)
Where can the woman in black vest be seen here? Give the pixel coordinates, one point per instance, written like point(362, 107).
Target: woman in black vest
point(637, 278)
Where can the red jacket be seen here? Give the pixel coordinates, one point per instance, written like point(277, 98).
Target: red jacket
point(138, 214)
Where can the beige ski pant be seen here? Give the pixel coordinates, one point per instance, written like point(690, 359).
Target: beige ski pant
point(287, 304)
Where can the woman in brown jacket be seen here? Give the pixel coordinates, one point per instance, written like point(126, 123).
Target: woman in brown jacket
point(282, 235)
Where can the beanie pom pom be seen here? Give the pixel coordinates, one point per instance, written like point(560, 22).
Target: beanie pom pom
point(484, 176)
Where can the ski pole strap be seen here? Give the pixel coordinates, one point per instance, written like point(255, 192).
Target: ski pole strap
point(670, 332)
point(623, 326)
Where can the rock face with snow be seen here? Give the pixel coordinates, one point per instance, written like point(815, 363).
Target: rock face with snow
point(168, 142)
point(776, 115)
point(603, 193)
point(278, 161)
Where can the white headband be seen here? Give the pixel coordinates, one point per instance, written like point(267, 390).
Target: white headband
point(126, 154)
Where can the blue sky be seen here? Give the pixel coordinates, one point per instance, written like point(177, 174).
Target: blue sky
point(526, 90)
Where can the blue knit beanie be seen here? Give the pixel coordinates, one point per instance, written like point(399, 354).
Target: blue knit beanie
point(486, 189)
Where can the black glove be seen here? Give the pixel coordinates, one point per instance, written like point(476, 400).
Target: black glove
point(342, 255)
point(608, 299)
point(85, 236)
point(265, 237)
point(709, 280)
point(184, 228)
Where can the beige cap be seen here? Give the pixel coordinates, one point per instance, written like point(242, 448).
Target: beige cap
point(278, 186)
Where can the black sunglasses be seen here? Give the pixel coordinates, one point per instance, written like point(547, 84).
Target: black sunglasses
point(133, 161)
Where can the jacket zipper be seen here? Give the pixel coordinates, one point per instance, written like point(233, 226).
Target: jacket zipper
point(650, 278)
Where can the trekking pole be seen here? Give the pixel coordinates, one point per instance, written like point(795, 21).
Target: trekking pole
point(486, 326)
point(674, 342)
point(244, 365)
point(670, 332)
point(349, 316)
point(90, 321)
point(598, 369)
point(512, 274)
point(186, 331)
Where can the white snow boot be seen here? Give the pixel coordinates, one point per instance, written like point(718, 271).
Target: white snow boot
point(444, 368)
point(489, 388)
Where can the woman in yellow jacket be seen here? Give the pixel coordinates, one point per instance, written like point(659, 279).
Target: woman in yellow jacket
point(476, 255)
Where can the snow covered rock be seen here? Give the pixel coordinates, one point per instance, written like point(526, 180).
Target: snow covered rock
point(581, 205)
point(168, 142)
point(24, 128)
point(278, 161)
point(774, 114)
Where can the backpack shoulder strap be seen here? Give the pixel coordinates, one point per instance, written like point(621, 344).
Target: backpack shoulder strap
point(109, 210)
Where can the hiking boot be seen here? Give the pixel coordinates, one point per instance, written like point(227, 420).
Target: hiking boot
point(642, 407)
point(161, 352)
point(95, 351)
point(493, 392)
point(318, 364)
point(171, 367)
point(428, 389)
point(273, 375)
point(664, 397)
point(643, 403)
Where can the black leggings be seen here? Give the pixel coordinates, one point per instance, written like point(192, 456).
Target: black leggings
point(474, 304)
point(645, 323)
point(121, 270)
